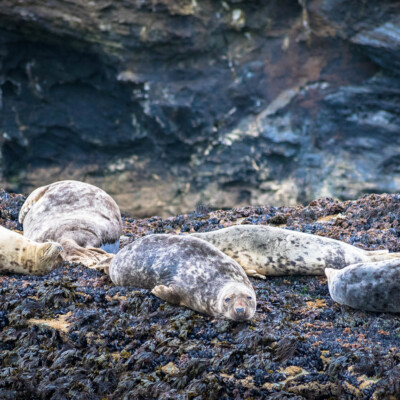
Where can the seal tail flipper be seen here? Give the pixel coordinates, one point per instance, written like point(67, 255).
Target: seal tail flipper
point(104, 265)
point(88, 256)
point(167, 293)
point(378, 252)
point(33, 198)
point(91, 257)
point(381, 255)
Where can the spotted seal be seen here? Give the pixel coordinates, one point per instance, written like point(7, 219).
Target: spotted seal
point(84, 219)
point(264, 250)
point(23, 256)
point(367, 286)
point(187, 271)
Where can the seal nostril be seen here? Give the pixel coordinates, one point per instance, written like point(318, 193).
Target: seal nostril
point(239, 310)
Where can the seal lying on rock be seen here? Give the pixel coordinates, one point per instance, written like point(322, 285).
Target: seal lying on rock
point(187, 271)
point(84, 219)
point(23, 256)
point(370, 286)
point(264, 250)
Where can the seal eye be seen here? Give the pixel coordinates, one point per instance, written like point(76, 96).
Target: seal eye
point(227, 300)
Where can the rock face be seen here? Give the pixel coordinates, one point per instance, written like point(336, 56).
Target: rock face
point(165, 103)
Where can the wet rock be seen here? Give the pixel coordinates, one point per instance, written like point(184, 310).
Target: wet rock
point(214, 104)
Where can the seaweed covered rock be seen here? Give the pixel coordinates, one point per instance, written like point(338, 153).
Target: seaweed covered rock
point(73, 334)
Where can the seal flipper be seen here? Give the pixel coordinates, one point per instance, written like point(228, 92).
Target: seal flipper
point(254, 273)
point(168, 293)
point(32, 199)
point(88, 256)
point(104, 265)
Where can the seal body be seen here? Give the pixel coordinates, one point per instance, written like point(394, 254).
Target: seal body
point(23, 256)
point(367, 286)
point(187, 271)
point(84, 219)
point(263, 250)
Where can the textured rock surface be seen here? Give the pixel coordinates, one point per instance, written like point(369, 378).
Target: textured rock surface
point(167, 103)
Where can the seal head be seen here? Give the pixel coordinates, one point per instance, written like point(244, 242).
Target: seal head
point(23, 256)
point(48, 255)
point(237, 302)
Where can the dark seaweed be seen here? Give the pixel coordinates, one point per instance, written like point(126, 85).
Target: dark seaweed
point(117, 343)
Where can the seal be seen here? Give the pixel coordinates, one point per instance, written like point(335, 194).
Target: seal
point(23, 256)
point(84, 219)
point(367, 286)
point(264, 250)
point(187, 271)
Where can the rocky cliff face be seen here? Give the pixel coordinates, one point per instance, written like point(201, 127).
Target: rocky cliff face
point(167, 103)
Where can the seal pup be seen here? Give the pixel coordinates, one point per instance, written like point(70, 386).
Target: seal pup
point(84, 219)
point(23, 256)
point(264, 250)
point(187, 271)
point(367, 286)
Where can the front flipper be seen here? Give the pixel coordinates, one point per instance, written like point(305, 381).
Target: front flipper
point(170, 293)
point(32, 199)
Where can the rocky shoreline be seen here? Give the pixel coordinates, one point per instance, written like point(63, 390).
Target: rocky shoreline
point(74, 335)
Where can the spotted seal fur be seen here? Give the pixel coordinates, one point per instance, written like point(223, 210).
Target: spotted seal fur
point(23, 256)
point(187, 271)
point(84, 219)
point(367, 286)
point(264, 250)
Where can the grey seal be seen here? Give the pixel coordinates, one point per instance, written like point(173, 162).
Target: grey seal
point(83, 218)
point(264, 250)
point(187, 271)
point(23, 256)
point(370, 286)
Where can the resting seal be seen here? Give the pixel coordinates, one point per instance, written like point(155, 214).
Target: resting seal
point(23, 256)
point(84, 219)
point(264, 250)
point(370, 287)
point(187, 271)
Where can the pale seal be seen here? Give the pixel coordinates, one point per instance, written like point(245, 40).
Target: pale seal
point(187, 271)
point(370, 286)
point(84, 219)
point(265, 251)
point(23, 256)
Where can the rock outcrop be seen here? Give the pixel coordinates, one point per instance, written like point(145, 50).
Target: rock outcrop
point(165, 103)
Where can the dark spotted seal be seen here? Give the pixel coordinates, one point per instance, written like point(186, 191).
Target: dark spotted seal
point(23, 256)
point(84, 219)
point(367, 286)
point(187, 271)
point(264, 250)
